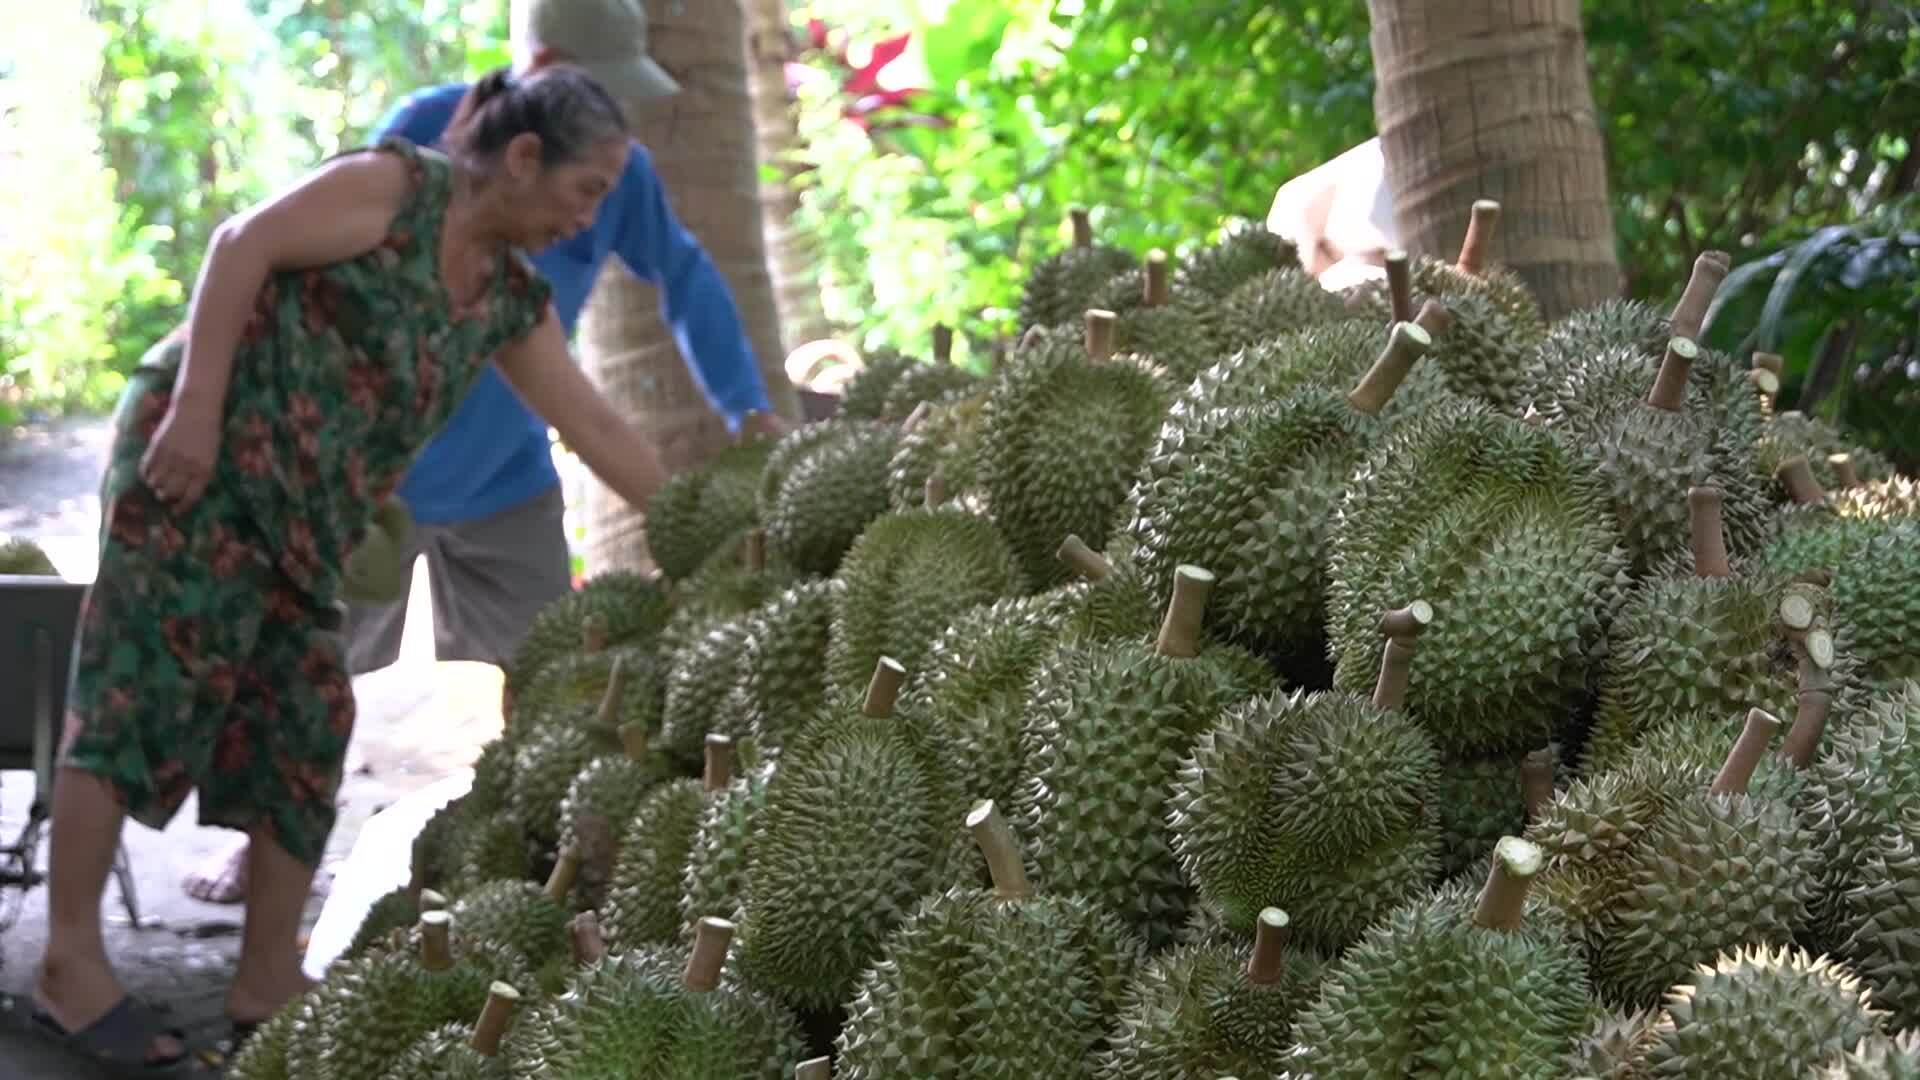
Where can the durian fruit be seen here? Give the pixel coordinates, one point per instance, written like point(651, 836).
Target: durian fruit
point(930, 383)
point(1170, 325)
point(1614, 324)
point(1274, 303)
point(713, 880)
point(263, 1055)
point(697, 511)
point(1108, 724)
point(1760, 1011)
point(990, 983)
point(864, 396)
point(783, 679)
point(1473, 273)
point(462, 1051)
point(1872, 563)
point(22, 557)
point(392, 913)
point(570, 688)
point(1878, 918)
point(1062, 285)
point(1452, 985)
point(847, 842)
point(1111, 600)
point(944, 440)
point(629, 609)
point(643, 898)
point(703, 685)
point(1236, 258)
point(1876, 1057)
point(1317, 803)
point(1064, 431)
point(1613, 1046)
point(1506, 529)
point(551, 756)
point(1662, 865)
point(1481, 799)
point(829, 495)
point(377, 570)
point(603, 796)
point(528, 918)
point(1856, 790)
point(372, 1008)
point(665, 1012)
point(907, 577)
point(1206, 1010)
point(1793, 434)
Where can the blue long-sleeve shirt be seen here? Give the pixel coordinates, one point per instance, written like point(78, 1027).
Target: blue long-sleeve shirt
point(494, 452)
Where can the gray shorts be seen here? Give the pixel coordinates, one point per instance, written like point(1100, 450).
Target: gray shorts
point(489, 578)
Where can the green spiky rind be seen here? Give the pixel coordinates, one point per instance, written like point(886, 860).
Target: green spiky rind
point(1791, 433)
point(1499, 285)
point(369, 1010)
point(1275, 303)
point(1325, 355)
point(933, 383)
point(1612, 324)
point(702, 677)
point(1877, 1057)
point(829, 498)
point(798, 445)
point(1701, 739)
point(1762, 1012)
point(1479, 801)
point(543, 770)
point(1107, 729)
point(447, 1053)
point(713, 881)
point(947, 440)
point(1182, 337)
point(1613, 1046)
point(699, 510)
point(1425, 992)
point(394, 910)
point(1062, 439)
point(1857, 788)
point(492, 780)
point(973, 686)
point(1889, 496)
point(1060, 288)
point(520, 916)
point(1317, 804)
point(1506, 533)
point(264, 1054)
point(783, 667)
point(1192, 1015)
point(629, 1015)
point(1651, 458)
point(436, 849)
point(23, 557)
point(1123, 606)
point(1250, 494)
point(494, 848)
point(850, 837)
point(643, 898)
point(907, 577)
point(603, 797)
point(569, 690)
point(1875, 567)
point(1235, 259)
point(864, 396)
point(1584, 394)
point(633, 606)
point(1484, 355)
point(969, 985)
point(1878, 919)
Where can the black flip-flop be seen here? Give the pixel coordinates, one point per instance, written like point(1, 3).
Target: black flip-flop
point(120, 1040)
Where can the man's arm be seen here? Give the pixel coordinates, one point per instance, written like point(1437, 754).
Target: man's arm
point(695, 299)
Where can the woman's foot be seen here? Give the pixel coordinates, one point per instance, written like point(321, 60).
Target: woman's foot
point(249, 1005)
point(85, 1007)
point(222, 879)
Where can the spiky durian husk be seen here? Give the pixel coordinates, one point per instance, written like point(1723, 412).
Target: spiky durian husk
point(20, 556)
point(543, 770)
point(1478, 801)
point(702, 677)
point(864, 396)
point(1763, 1012)
point(713, 881)
point(855, 821)
point(601, 800)
point(933, 383)
point(1275, 303)
point(1484, 354)
point(632, 606)
point(1613, 1046)
point(1236, 258)
point(783, 680)
point(1610, 325)
point(1330, 355)
point(1891, 496)
point(1425, 992)
point(1107, 728)
point(699, 510)
point(263, 1056)
point(1791, 433)
point(907, 577)
point(520, 916)
point(1659, 875)
point(972, 688)
point(1182, 337)
point(1063, 438)
point(629, 1015)
point(1191, 1014)
point(828, 499)
point(447, 1053)
point(1650, 458)
point(436, 850)
point(1878, 918)
point(1875, 568)
point(947, 440)
point(1319, 804)
point(569, 690)
point(642, 904)
point(1856, 790)
point(1584, 394)
point(494, 848)
point(1498, 284)
point(801, 443)
point(1700, 740)
point(1122, 606)
point(1876, 1057)
point(1061, 287)
point(971, 985)
point(1506, 532)
point(396, 909)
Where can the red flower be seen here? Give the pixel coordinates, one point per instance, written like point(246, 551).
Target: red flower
point(166, 539)
point(220, 682)
point(284, 606)
point(253, 450)
point(230, 553)
point(365, 384)
point(127, 518)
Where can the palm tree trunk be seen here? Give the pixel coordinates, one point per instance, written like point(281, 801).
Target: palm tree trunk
point(1490, 99)
point(790, 258)
point(702, 144)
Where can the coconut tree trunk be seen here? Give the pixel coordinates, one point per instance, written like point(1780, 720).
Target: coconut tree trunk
point(1490, 99)
point(796, 289)
point(702, 144)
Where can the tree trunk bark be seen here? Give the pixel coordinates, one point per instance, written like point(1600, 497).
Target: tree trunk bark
point(1490, 99)
point(790, 257)
point(702, 144)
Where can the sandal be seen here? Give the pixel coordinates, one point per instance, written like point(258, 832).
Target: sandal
point(122, 1039)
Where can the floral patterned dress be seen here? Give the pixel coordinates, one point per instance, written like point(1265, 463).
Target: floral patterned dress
point(210, 652)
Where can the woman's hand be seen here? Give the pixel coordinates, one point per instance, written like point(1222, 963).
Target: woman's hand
point(179, 461)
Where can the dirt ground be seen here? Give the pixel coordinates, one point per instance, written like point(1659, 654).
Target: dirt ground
point(418, 721)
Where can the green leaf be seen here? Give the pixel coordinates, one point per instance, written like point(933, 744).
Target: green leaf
point(963, 44)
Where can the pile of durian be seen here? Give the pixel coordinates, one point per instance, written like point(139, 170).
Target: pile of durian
point(1244, 680)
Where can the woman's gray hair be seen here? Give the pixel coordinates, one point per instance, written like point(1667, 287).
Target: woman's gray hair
point(567, 108)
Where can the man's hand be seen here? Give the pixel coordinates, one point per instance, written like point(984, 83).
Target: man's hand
point(763, 425)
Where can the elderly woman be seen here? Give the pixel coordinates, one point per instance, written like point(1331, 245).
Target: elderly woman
point(333, 330)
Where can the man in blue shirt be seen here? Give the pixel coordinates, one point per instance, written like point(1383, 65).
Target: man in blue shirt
point(484, 495)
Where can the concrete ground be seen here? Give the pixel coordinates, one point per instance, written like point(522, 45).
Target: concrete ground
point(418, 722)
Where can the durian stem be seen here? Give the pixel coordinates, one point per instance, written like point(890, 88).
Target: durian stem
point(1402, 627)
point(1670, 385)
point(915, 418)
point(1477, 249)
point(1180, 629)
point(431, 900)
point(719, 763)
point(996, 840)
point(1082, 220)
point(492, 1025)
point(633, 740)
point(1843, 469)
point(1405, 344)
point(1503, 900)
point(1796, 608)
point(589, 944)
point(942, 343)
point(1100, 334)
point(1705, 532)
point(1797, 475)
point(1435, 318)
point(565, 869)
point(609, 715)
point(710, 940)
point(1400, 285)
point(1085, 561)
point(1812, 702)
point(1765, 382)
point(1747, 751)
point(1708, 271)
point(1267, 963)
point(1769, 361)
point(754, 553)
point(884, 688)
point(1159, 290)
point(436, 940)
point(593, 633)
point(1536, 781)
point(936, 490)
point(820, 1068)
